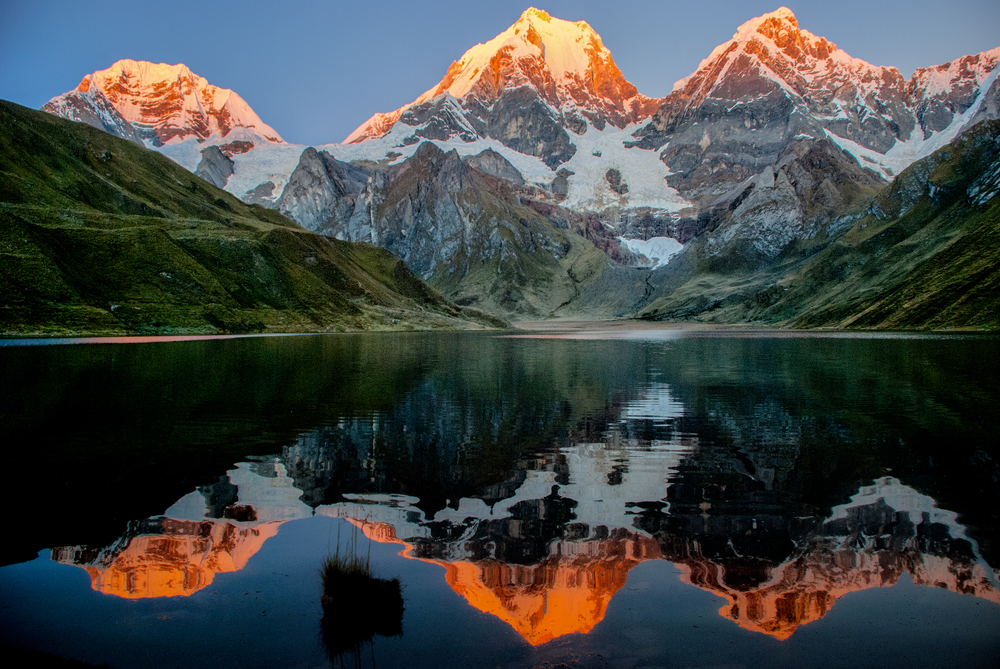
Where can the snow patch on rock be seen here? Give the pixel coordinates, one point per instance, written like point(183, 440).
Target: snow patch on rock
point(658, 250)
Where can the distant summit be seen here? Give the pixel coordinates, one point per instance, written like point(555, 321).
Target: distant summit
point(157, 104)
point(774, 83)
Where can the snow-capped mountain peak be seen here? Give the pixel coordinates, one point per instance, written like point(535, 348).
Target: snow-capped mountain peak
point(158, 104)
point(565, 63)
point(773, 50)
point(567, 49)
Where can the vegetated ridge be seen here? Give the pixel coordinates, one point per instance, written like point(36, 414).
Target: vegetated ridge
point(102, 236)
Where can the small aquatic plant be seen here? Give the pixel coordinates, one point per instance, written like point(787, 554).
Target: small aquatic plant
point(357, 605)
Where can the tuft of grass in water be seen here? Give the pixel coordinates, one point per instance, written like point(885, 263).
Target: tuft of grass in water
point(357, 605)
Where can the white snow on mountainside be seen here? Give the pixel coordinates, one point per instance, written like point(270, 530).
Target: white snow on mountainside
point(598, 150)
point(905, 153)
point(886, 122)
point(658, 250)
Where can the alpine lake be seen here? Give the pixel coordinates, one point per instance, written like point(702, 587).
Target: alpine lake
point(617, 495)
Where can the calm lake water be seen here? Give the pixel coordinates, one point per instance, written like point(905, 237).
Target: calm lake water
point(615, 498)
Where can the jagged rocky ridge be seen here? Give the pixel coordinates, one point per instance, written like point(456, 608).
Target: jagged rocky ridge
point(774, 83)
point(529, 88)
point(215, 167)
point(463, 229)
point(156, 104)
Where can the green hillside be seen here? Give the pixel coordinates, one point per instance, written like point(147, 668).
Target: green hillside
point(925, 256)
point(921, 253)
point(101, 236)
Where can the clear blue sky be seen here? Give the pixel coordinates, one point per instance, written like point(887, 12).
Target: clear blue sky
point(316, 70)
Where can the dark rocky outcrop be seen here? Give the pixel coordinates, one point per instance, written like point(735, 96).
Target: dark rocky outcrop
point(491, 162)
point(261, 194)
point(522, 121)
point(614, 179)
point(215, 167)
point(809, 186)
point(321, 192)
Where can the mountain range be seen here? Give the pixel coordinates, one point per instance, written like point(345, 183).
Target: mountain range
point(534, 180)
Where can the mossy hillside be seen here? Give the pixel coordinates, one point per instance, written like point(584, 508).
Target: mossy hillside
point(49, 161)
point(98, 235)
point(925, 256)
point(920, 254)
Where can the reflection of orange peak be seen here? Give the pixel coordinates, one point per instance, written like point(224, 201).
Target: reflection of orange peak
point(570, 591)
point(384, 533)
point(776, 609)
point(804, 589)
point(544, 601)
point(564, 594)
point(178, 562)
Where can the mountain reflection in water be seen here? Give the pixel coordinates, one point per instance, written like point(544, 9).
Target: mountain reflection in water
point(779, 474)
point(548, 555)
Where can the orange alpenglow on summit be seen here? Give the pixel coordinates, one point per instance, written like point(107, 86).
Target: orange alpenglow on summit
point(179, 561)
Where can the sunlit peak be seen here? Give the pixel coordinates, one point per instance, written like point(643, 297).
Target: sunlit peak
point(532, 12)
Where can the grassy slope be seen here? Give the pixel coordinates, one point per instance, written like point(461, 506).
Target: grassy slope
point(913, 261)
point(916, 260)
point(101, 236)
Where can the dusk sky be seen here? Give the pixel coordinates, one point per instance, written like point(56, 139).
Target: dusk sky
point(314, 71)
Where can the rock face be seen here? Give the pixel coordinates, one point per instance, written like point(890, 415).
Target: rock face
point(989, 109)
point(321, 192)
point(794, 199)
point(444, 217)
point(215, 167)
point(462, 229)
point(157, 104)
point(529, 88)
point(942, 92)
point(491, 162)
